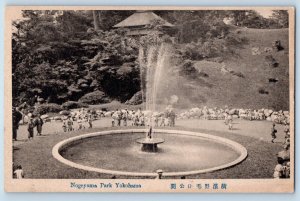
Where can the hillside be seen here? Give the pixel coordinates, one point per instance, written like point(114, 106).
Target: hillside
point(237, 80)
point(68, 60)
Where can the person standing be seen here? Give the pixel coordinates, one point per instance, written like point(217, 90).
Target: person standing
point(79, 122)
point(64, 126)
point(70, 124)
point(156, 120)
point(125, 117)
point(230, 122)
point(113, 119)
point(278, 171)
point(162, 122)
point(39, 125)
point(286, 130)
point(19, 172)
point(142, 120)
point(90, 121)
point(30, 128)
point(16, 117)
point(119, 117)
point(226, 118)
point(172, 118)
point(273, 133)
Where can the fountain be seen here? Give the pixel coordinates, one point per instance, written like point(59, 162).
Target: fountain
point(149, 144)
point(152, 64)
point(134, 152)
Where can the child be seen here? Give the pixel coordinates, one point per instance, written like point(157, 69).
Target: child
point(167, 121)
point(286, 170)
point(162, 123)
point(64, 126)
point(113, 122)
point(229, 119)
point(156, 121)
point(273, 133)
point(19, 172)
point(70, 124)
point(286, 131)
point(226, 119)
point(125, 117)
point(115, 117)
point(30, 128)
point(142, 120)
point(79, 121)
point(278, 171)
point(287, 142)
point(118, 117)
point(135, 120)
point(90, 121)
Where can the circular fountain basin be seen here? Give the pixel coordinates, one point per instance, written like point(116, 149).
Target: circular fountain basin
point(116, 152)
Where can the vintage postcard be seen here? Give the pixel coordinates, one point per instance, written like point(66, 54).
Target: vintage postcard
point(149, 99)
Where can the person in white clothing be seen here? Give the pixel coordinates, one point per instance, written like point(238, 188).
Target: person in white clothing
point(19, 172)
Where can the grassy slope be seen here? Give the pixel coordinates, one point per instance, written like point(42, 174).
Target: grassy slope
point(221, 89)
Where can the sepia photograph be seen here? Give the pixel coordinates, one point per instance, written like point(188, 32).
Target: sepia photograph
point(149, 99)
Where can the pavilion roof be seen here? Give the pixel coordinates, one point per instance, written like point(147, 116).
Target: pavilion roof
point(142, 18)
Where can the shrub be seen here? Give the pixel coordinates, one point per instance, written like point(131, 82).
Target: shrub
point(192, 51)
point(64, 112)
point(239, 74)
point(46, 108)
point(73, 105)
point(271, 61)
point(212, 48)
point(188, 69)
point(95, 97)
point(263, 91)
point(203, 74)
point(136, 99)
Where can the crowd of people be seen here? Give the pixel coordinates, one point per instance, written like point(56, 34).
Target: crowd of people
point(82, 118)
point(33, 121)
point(78, 120)
point(279, 117)
point(143, 118)
point(282, 168)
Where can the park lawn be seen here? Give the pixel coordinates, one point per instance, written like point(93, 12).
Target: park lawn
point(38, 163)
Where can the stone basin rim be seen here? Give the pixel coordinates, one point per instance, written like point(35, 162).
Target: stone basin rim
point(234, 145)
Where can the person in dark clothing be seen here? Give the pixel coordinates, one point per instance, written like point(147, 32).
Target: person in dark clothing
point(39, 124)
point(172, 118)
point(16, 117)
point(30, 128)
point(273, 133)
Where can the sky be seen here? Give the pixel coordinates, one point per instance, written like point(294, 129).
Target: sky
point(265, 13)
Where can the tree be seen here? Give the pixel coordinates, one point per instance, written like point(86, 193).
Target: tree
point(281, 17)
point(41, 41)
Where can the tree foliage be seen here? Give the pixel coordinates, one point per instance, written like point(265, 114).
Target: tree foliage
point(281, 18)
point(63, 55)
